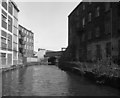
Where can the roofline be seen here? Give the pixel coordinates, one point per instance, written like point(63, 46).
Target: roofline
point(15, 5)
point(26, 28)
point(75, 8)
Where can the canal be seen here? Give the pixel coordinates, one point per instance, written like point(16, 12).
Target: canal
point(47, 80)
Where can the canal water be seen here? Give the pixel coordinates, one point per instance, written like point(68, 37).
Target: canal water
point(47, 80)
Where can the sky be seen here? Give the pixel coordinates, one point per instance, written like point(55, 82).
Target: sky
point(48, 21)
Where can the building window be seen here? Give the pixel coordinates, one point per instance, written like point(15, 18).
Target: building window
point(15, 31)
point(89, 17)
point(15, 38)
point(119, 47)
point(77, 12)
point(83, 37)
point(3, 55)
point(9, 24)
point(107, 6)
point(108, 49)
point(107, 27)
point(14, 55)
point(14, 46)
point(4, 4)
point(97, 31)
point(97, 11)
point(4, 23)
point(4, 13)
point(89, 34)
point(118, 10)
point(10, 36)
point(10, 10)
point(3, 33)
point(15, 22)
point(83, 6)
point(77, 25)
point(83, 22)
point(9, 42)
point(3, 58)
point(9, 60)
point(15, 13)
point(98, 52)
point(3, 43)
point(24, 39)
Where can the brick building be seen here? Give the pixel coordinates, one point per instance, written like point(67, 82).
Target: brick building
point(8, 33)
point(94, 31)
point(26, 43)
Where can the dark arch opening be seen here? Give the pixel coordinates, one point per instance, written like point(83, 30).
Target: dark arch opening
point(52, 60)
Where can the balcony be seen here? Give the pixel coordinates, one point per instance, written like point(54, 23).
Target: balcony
point(21, 41)
point(21, 50)
point(22, 33)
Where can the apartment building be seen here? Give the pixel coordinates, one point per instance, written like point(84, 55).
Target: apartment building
point(94, 31)
point(26, 42)
point(8, 33)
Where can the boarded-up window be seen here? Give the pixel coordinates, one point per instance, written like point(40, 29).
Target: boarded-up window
point(108, 49)
point(97, 11)
point(107, 6)
point(89, 34)
point(107, 27)
point(98, 52)
point(97, 31)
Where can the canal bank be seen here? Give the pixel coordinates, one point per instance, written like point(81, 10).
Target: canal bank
point(14, 67)
point(86, 70)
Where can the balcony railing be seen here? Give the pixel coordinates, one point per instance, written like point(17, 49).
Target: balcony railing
point(21, 41)
point(21, 50)
point(21, 33)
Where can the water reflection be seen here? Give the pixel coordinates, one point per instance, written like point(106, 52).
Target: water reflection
point(21, 79)
point(50, 81)
point(13, 82)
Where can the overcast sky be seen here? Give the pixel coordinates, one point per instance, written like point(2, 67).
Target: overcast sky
point(48, 21)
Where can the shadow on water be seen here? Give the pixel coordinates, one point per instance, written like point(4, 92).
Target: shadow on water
point(80, 86)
